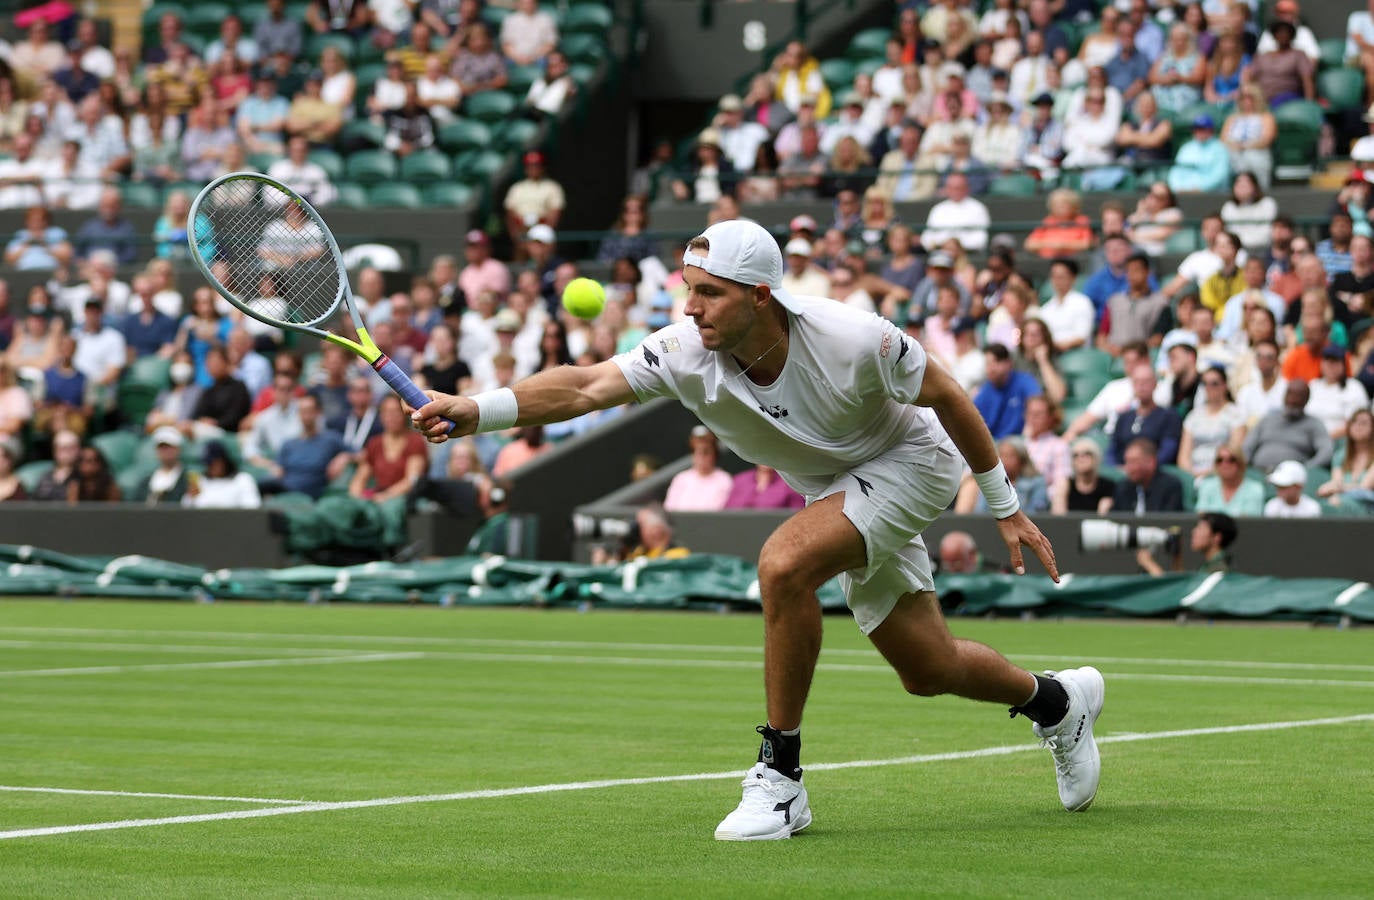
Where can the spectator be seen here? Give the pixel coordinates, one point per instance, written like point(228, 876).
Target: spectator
point(849, 169)
point(528, 444)
point(66, 448)
point(1002, 398)
point(1210, 428)
point(1047, 449)
point(1227, 489)
point(223, 404)
point(535, 199)
point(273, 426)
point(14, 114)
point(1335, 396)
point(762, 488)
point(1065, 231)
point(740, 139)
point(704, 486)
point(1035, 356)
point(22, 177)
point(146, 330)
point(1289, 434)
point(1070, 315)
point(1255, 295)
point(1227, 281)
point(1225, 69)
point(299, 173)
point(1090, 139)
point(1156, 219)
point(1087, 490)
point(528, 34)
point(312, 116)
point(550, 92)
point(222, 485)
point(1303, 361)
point(1027, 481)
point(37, 54)
point(1145, 143)
point(276, 33)
point(1303, 39)
point(109, 230)
point(391, 463)
point(628, 238)
point(998, 140)
point(39, 244)
point(481, 68)
point(482, 272)
point(802, 277)
point(388, 92)
point(169, 481)
point(445, 371)
point(1353, 288)
point(1265, 393)
point(1177, 76)
point(959, 216)
point(1289, 478)
point(92, 481)
point(307, 462)
point(73, 182)
point(1042, 146)
point(205, 142)
point(799, 76)
point(231, 42)
point(939, 274)
point(360, 422)
point(1352, 464)
point(181, 78)
point(101, 136)
point(100, 353)
point(1212, 536)
point(156, 156)
point(1202, 164)
point(1334, 250)
point(1131, 315)
point(11, 488)
point(1145, 489)
point(230, 83)
point(174, 405)
point(409, 128)
point(1162, 425)
point(1249, 214)
point(438, 91)
point(352, 18)
point(1201, 264)
point(1128, 70)
point(16, 406)
point(34, 346)
point(261, 118)
point(1284, 72)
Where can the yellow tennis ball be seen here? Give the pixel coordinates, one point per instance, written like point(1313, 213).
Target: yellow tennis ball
point(584, 298)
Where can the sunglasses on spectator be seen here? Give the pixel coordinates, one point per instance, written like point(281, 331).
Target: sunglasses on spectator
point(1225, 459)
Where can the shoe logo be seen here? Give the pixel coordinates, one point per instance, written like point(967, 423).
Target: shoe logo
point(767, 751)
point(1082, 720)
point(786, 809)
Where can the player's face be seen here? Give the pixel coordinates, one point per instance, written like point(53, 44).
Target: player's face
point(723, 310)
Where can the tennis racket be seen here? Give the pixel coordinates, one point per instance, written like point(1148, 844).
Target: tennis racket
point(267, 251)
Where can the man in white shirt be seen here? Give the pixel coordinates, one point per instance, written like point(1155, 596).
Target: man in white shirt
point(844, 406)
point(1289, 478)
point(739, 140)
point(1304, 40)
point(528, 34)
point(1263, 394)
point(1201, 265)
point(957, 216)
point(21, 176)
point(304, 177)
point(1116, 396)
point(802, 278)
point(1029, 73)
point(101, 354)
point(849, 123)
point(1256, 293)
point(1070, 315)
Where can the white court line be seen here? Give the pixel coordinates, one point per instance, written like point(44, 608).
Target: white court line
point(14, 788)
point(662, 779)
point(750, 650)
point(171, 649)
point(219, 664)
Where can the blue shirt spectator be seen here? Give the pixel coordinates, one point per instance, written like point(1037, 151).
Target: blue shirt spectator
point(1160, 424)
point(109, 230)
point(148, 332)
point(1111, 277)
point(65, 387)
point(1002, 398)
point(1203, 163)
point(39, 244)
point(1125, 71)
point(262, 116)
point(304, 462)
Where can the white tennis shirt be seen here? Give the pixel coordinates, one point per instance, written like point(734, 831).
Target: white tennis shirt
point(844, 397)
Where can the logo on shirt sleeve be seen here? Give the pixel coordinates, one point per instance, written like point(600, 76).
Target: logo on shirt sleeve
point(649, 357)
point(900, 353)
point(670, 345)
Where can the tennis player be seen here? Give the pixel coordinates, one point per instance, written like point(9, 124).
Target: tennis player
point(854, 415)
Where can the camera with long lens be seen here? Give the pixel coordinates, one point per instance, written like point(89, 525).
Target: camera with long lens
point(1097, 535)
point(621, 534)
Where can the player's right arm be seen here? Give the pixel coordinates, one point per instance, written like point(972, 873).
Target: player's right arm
point(554, 395)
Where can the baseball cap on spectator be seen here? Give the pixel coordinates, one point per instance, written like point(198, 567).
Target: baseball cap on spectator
point(661, 300)
point(1204, 121)
point(534, 158)
point(939, 260)
point(731, 103)
point(798, 247)
point(802, 223)
point(1000, 73)
point(1044, 98)
point(1333, 351)
point(961, 325)
point(213, 451)
point(699, 432)
point(710, 137)
point(998, 98)
point(477, 236)
point(1003, 241)
point(952, 70)
point(542, 234)
point(743, 251)
point(506, 320)
point(169, 436)
point(850, 98)
point(1288, 473)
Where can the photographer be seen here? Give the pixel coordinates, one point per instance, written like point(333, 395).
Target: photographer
point(650, 537)
point(1212, 536)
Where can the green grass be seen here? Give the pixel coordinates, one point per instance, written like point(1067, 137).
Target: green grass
point(469, 700)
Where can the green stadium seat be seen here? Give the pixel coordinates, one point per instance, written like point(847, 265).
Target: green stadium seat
point(519, 78)
point(590, 18)
point(1189, 487)
point(426, 165)
point(869, 66)
point(204, 17)
point(148, 371)
point(583, 47)
point(397, 194)
point(371, 167)
point(838, 74)
point(1085, 361)
point(315, 43)
point(251, 14)
point(869, 42)
point(361, 133)
point(583, 74)
point(118, 448)
point(1333, 53)
point(483, 166)
point(1013, 185)
point(261, 162)
point(489, 106)
point(330, 161)
point(369, 54)
point(153, 14)
point(1343, 88)
point(464, 134)
point(1295, 148)
point(350, 196)
point(189, 188)
point(30, 473)
point(141, 195)
point(1185, 240)
point(518, 135)
point(366, 75)
point(1316, 477)
point(133, 482)
point(494, 16)
point(449, 193)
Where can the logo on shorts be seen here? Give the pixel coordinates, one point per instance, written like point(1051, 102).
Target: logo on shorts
point(864, 486)
point(649, 356)
point(776, 412)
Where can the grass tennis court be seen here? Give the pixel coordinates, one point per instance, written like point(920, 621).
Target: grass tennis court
point(346, 751)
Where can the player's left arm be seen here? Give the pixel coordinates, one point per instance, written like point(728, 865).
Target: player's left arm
point(955, 409)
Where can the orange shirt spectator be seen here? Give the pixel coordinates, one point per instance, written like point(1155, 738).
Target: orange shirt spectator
point(526, 446)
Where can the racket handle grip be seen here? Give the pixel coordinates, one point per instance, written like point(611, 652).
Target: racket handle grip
point(399, 382)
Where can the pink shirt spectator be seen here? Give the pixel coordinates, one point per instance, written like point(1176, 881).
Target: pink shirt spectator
point(748, 493)
point(488, 275)
point(1050, 454)
point(694, 492)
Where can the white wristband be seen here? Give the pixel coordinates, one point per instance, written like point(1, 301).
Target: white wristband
point(496, 410)
point(997, 490)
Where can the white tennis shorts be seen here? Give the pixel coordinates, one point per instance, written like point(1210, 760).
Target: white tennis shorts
point(892, 499)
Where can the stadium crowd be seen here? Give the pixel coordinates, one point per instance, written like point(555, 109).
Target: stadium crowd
point(1110, 386)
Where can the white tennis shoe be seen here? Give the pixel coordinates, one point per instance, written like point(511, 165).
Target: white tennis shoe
point(1077, 765)
point(774, 807)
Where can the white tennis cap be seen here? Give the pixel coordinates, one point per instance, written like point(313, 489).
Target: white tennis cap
point(1288, 473)
point(166, 434)
point(744, 251)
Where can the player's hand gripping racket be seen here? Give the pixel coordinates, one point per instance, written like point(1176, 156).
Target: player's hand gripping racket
point(268, 252)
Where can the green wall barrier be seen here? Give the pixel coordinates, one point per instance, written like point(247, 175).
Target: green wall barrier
point(703, 581)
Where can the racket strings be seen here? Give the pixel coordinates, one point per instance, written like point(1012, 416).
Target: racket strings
point(267, 252)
